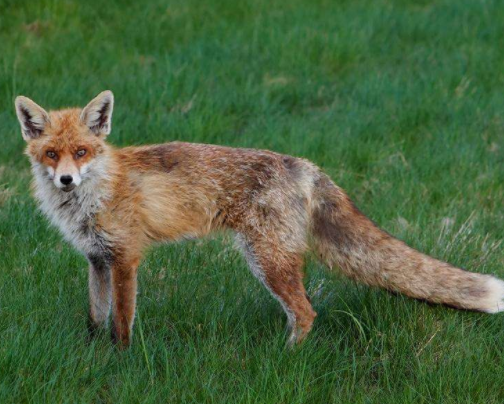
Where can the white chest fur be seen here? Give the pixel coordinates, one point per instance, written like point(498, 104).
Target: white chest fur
point(74, 213)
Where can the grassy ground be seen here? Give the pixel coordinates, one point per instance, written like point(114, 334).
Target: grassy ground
point(400, 101)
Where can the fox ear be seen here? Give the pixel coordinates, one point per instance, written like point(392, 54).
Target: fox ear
point(32, 117)
point(97, 115)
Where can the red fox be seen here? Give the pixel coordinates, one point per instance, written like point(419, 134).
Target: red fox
point(111, 203)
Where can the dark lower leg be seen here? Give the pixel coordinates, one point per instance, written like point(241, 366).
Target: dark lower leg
point(100, 293)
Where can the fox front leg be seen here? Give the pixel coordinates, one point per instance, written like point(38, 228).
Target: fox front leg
point(124, 290)
point(100, 292)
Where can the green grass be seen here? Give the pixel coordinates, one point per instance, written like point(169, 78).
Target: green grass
point(400, 101)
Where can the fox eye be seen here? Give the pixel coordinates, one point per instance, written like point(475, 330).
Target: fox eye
point(51, 154)
point(81, 152)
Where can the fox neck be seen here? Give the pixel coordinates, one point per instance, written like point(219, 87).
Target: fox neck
point(74, 212)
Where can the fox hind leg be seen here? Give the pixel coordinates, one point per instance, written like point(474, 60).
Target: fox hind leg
point(281, 273)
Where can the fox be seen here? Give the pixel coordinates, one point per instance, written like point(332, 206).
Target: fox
point(112, 203)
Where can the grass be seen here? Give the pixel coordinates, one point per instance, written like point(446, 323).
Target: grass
point(400, 101)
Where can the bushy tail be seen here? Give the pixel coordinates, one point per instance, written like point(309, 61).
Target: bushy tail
point(345, 238)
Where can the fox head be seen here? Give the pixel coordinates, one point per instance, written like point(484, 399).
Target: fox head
point(66, 144)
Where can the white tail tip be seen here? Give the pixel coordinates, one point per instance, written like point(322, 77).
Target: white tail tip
point(494, 301)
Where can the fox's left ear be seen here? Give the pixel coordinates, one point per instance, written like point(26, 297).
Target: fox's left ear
point(97, 115)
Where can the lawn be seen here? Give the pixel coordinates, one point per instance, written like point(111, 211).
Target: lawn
point(400, 101)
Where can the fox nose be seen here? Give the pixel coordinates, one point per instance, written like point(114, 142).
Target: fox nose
point(66, 179)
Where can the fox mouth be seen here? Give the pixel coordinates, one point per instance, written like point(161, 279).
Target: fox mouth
point(68, 188)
